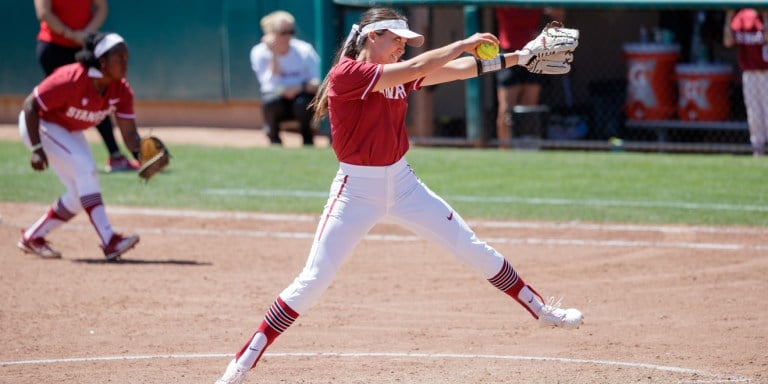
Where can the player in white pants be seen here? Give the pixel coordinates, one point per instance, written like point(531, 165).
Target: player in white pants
point(365, 95)
point(746, 29)
point(73, 98)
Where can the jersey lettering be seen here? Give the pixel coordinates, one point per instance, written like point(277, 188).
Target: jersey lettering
point(749, 38)
point(395, 93)
point(87, 116)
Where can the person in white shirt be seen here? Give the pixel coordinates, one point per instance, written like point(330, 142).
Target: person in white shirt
point(288, 70)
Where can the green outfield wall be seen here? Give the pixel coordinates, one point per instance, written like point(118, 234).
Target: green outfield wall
point(190, 59)
point(198, 50)
point(180, 50)
point(655, 4)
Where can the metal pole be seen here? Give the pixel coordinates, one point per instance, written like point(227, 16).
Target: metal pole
point(326, 23)
point(474, 119)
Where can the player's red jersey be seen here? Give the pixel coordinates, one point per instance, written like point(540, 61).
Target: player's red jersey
point(367, 128)
point(749, 35)
point(75, 14)
point(69, 98)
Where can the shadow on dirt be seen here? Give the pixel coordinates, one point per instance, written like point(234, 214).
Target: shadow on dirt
point(134, 261)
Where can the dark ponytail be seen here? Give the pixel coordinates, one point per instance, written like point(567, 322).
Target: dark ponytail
point(85, 56)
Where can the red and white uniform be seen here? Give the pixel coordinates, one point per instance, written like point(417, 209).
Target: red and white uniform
point(376, 183)
point(69, 103)
point(75, 14)
point(750, 38)
point(368, 128)
point(69, 99)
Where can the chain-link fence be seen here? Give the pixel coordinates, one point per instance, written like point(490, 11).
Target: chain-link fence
point(635, 85)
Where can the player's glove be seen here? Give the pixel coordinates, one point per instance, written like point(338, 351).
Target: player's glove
point(557, 64)
point(154, 157)
point(553, 39)
point(551, 52)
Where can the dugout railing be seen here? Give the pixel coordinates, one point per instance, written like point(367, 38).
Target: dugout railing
point(699, 103)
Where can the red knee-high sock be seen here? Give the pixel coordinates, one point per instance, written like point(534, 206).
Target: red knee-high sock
point(278, 318)
point(509, 282)
point(57, 214)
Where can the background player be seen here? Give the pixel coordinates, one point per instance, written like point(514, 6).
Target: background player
point(51, 124)
point(746, 29)
point(516, 85)
point(365, 95)
point(64, 24)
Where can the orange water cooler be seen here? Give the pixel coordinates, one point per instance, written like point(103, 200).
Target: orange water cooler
point(651, 87)
point(704, 91)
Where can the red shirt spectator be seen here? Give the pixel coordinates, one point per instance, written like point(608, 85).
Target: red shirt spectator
point(748, 33)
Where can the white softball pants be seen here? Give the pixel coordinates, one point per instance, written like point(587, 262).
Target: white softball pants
point(755, 90)
point(361, 196)
point(70, 158)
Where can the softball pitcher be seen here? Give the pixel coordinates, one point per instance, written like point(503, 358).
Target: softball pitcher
point(365, 95)
point(73, 98)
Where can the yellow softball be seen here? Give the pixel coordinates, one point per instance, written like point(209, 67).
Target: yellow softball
point(487, 51)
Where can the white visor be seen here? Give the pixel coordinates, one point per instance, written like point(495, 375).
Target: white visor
point(109, 41)
point(398, 27)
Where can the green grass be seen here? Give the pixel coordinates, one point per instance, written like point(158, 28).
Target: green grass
point(546, 185)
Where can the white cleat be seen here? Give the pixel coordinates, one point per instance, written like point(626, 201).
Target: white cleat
point(118, 245)
point(39, 247)
point(233, 375)
point(554, 316)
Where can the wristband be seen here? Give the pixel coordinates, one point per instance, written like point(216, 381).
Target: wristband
point(36, 147)
point(496, 64)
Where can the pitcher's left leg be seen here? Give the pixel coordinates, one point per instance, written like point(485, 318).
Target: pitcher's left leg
point(428, 215)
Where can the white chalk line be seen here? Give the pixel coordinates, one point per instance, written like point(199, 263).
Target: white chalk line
point(534, 241)
point(410, 238)
point(237, 215)
point(511, 200)
point(712, 378)
point(493, 240)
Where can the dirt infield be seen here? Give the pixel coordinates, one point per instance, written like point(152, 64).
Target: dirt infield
point(663, 304)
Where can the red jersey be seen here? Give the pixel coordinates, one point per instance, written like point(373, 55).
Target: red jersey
point(517, 26)
point(749, 36)
point(75, 14)
point(367, 128)
point(69, 98)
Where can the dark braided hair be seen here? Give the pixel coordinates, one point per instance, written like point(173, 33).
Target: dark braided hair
point(86, 57)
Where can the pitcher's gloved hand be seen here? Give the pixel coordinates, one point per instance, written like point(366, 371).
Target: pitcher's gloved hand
point(551, 52)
